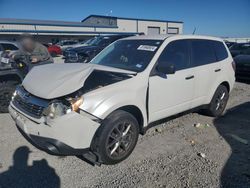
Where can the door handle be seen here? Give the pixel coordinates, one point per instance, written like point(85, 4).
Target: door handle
point(217, 70)
point(189, 77)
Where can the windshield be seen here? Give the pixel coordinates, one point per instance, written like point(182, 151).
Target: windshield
point(101, 41)
point(133, 55)
point(89, 41)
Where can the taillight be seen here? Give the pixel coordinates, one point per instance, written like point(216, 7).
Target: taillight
point(234, 66)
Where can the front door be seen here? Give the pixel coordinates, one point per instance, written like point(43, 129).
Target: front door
point(173, 93)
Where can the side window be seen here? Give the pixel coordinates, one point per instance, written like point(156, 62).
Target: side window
point(7, 46)
point(220, 50)
point(202, 52)
point(176, 53)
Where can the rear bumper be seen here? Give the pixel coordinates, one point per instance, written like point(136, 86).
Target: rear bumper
point(70, 134)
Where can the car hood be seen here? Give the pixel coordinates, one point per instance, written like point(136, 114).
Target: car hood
point(235, 52)
point(242, 60)
point(57, 80)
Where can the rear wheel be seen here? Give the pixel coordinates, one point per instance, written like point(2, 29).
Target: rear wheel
point(116, 138)
point(6, 92)
point(219, 102)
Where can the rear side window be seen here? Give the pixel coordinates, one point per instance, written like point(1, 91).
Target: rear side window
point(176, 53)
point(202, 52)
point(7, 46)
point(220, 50)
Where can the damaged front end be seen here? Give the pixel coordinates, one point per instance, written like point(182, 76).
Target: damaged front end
point(53, 119)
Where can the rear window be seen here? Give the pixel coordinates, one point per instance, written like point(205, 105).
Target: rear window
point(202, 52)
point(7, 46)
point(220, 50)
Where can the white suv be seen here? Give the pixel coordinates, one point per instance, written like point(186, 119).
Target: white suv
point(97, 110)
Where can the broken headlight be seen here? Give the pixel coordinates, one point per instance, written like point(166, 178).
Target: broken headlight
point(56, 109)
point(62, 107)
point(75, 103)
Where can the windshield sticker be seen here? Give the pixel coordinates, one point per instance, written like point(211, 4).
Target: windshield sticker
point(147, 48)
point(138, 65)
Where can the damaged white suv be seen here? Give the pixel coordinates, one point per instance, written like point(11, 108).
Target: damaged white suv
point(97, 110)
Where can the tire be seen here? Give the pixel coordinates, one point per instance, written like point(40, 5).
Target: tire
point(116, 138)
point(219, 101)
point(6, 92)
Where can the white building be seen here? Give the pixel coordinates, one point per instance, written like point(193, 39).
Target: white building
point(90, 26)
point(238, 40)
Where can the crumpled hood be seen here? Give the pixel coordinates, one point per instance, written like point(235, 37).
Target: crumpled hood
point(57, 80)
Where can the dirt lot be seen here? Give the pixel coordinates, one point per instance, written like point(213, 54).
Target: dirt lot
point(167, 156)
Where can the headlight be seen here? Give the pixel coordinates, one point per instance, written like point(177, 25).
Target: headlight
point(14, 94)
point(59, 108)
point(56, 109)
point(75, 103)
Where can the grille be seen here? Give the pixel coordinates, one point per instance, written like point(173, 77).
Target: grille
point(29, 104)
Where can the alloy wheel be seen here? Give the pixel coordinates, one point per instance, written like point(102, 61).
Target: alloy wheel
point(120, 140)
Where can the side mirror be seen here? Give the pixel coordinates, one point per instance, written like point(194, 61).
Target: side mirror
point(165, 68)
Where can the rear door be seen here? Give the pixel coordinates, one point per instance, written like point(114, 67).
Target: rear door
point(206, 68)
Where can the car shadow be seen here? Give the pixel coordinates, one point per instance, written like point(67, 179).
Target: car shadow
point(20, 175)
point(234, 127)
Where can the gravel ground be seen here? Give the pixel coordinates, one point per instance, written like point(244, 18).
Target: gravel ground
point(173, 154)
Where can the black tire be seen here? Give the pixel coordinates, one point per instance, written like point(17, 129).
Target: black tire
point(6, 92)
point(219, 101)
point(116, 137)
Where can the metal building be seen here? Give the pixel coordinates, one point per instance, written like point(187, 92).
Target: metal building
point(47, 30)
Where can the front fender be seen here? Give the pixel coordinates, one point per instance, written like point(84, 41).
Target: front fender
point(101, 104)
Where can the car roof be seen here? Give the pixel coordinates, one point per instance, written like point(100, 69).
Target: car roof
point(163, 37)
point(8, 42)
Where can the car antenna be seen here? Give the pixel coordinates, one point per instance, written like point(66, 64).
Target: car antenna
point(194, 30)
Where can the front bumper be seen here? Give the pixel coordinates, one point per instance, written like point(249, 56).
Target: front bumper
point(70, 134)
point(67, 60)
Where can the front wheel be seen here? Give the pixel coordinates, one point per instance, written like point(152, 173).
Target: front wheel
point(116, 138)
point(218, 102)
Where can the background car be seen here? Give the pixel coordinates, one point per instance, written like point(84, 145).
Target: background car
point(240, 48)
point(66, 43)
point(80, 44)
point(12, 73)
point(229, 44)
point(8, 46)
point(85, 54)
point(54, 50)
point(242, 63)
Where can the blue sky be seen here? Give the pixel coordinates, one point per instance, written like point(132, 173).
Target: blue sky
point(211, 17)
